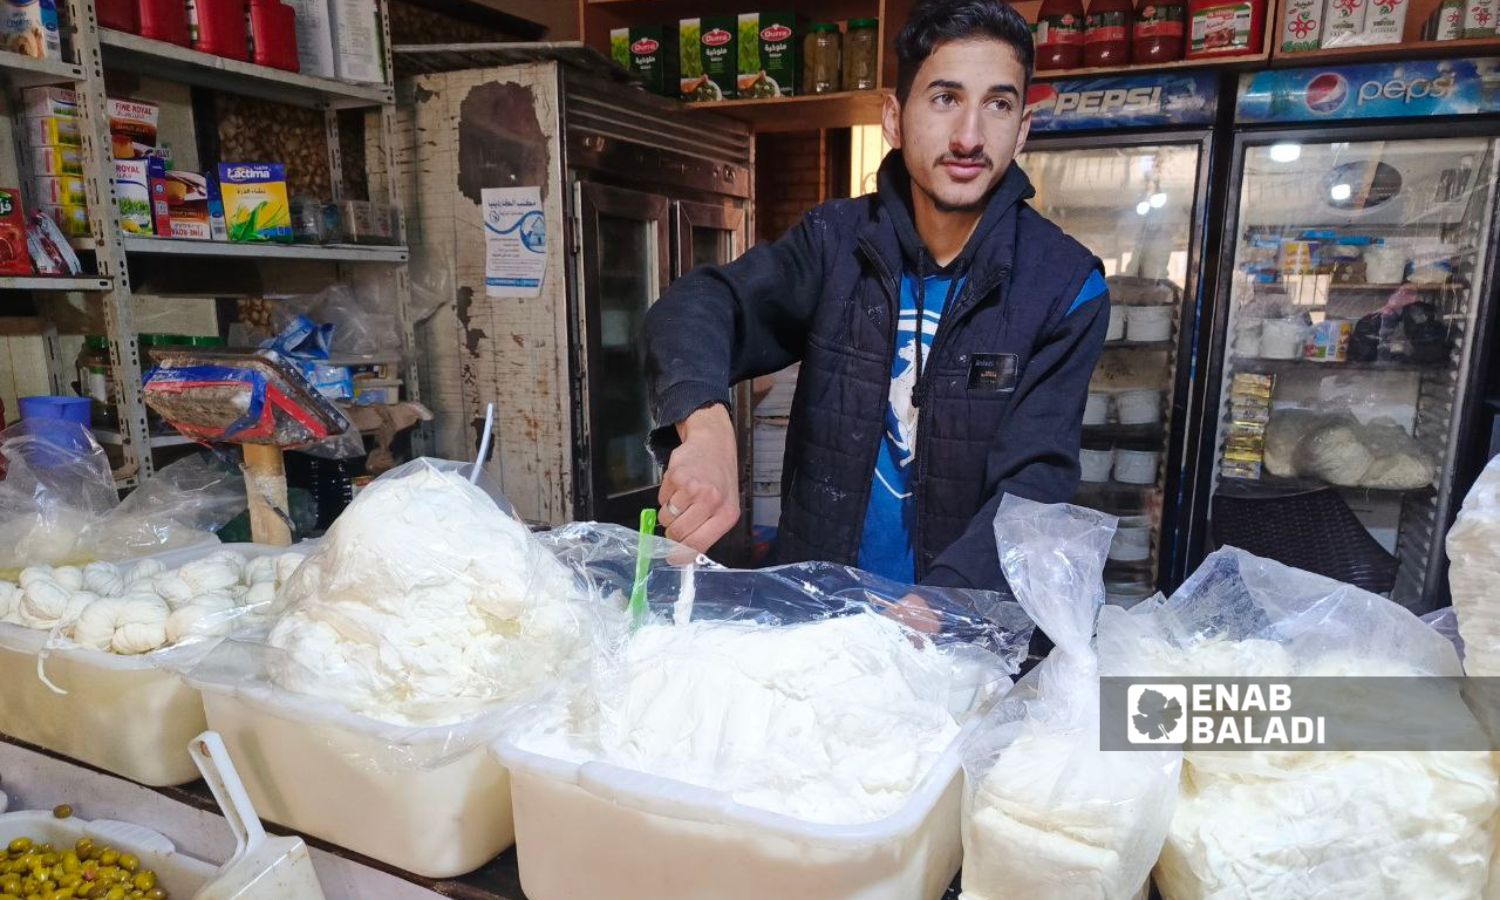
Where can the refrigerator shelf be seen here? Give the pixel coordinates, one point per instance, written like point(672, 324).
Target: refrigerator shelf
point(1153, 432)
point(1275, 486)
point(1260, 364)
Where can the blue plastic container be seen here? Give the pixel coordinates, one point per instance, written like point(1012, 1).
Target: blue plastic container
point(69, 409)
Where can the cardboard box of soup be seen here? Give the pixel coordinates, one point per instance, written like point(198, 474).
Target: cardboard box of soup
point(710, 48)
point(770, 52)
point(650, 53)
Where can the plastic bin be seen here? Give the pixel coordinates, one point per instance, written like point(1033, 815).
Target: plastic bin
point(121, 713)
point(68, 409)
point(388, 792)
point(597, 830)
point(179, 874)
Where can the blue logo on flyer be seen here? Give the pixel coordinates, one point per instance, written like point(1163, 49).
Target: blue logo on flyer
point(1447, 87)
point(1130, 101)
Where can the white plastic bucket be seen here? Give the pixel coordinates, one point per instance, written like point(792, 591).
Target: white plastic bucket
point(1149, 323)
point(392, 793)
point(1096, 409)
point(1116, 329)
point(595, 830)
point(1132, 540)
point(1139, 407)
point(122, 714)
point(1095, 465)
point(1136, 466)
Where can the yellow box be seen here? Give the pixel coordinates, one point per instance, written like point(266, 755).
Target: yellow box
point(255, 202)
point(57, 131)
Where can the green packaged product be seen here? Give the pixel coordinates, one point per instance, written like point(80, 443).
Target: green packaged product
point(710, 49)
point(770, 54)
point(651, 53)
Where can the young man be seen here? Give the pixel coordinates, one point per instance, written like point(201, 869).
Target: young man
point(946, 331)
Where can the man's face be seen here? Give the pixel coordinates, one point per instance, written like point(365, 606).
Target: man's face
point(962, 124)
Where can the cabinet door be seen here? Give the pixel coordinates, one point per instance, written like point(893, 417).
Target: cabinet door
point(625, 263)
point(710, 235)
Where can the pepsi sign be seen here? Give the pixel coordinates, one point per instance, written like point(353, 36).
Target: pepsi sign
point(1131, 101)
point(1448, 87)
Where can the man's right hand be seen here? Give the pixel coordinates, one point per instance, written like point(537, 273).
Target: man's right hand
point(700, 494)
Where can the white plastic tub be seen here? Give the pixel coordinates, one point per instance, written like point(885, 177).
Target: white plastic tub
point(1116, 328)
point(179, 874)
point(1149, 323)
point(1139, 407)
point(588, 831)
point(1096, 409)
point(123, 714)
point(1094, 465)
point(399, 795)
point(1136, 466)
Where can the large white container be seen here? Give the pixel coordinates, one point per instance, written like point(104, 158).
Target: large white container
point(399, 795)
point(587, 831)
point(123, 714)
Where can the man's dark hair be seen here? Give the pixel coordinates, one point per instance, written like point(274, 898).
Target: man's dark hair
point(936, 22)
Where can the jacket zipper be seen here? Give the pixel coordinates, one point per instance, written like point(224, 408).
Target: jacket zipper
point(893, 308)
point(945, 324)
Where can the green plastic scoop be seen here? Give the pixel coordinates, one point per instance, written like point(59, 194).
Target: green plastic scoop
point(638, 608)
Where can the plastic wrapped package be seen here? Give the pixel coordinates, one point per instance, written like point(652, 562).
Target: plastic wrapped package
point(1284, 433)
point(183, 504)
point(1290, 824)
point(1473, 546)
point(57, 481)
point(1399, 462)
point(90, 682)
point(1047, 814)
point(399, 649)
point(1333, 450)
point(777, 732)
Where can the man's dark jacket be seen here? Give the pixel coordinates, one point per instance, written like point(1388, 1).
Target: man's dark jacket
point(827, 294)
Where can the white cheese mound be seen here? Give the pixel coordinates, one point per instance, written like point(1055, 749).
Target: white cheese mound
point(424, 603)
point(836, 721)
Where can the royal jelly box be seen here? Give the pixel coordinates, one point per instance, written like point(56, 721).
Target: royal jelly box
point(651, 53)
point(56, 160)
point(1385, 21)
point(40, 102)
point(1301, 26)
point(132, 128)
point(256, 208)
point(141, 196)
point(1479, 18)
point(1344, 22)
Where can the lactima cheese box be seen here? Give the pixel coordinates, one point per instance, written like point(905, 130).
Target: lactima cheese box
point(255, 202)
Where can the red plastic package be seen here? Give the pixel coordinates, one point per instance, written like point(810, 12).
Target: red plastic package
point(118, 14)
point(218, 27)
point(273, 31)
point(15, 259)
point(164, 20)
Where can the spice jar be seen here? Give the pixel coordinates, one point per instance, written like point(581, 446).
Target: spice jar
point(860, 46)
point(822, 53)
point(96, 379)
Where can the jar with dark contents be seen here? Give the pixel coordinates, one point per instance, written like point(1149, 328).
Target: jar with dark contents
point(822, 51)
point(861, 49)
point(96, 380)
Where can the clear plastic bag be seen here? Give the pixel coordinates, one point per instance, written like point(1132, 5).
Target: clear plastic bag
point(799, 689)
point(1047, 814)
point(183, 504)
point(1473, 546)
point(362, 317)
point(57, 481)
point(1253, 823)
point(1400, 463)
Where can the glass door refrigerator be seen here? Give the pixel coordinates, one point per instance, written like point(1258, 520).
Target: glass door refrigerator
point(1122, 164)
point(1346, 348)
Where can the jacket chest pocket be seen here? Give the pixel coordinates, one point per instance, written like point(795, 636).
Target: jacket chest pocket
point(972, 402)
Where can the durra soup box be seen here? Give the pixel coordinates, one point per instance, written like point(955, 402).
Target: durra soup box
point(650, 53)
point(770, 54)
point(710, 58)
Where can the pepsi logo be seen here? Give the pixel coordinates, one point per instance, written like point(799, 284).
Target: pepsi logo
point(1326, 92)
point(717, 37)
point(775, 33)
point(644, 46)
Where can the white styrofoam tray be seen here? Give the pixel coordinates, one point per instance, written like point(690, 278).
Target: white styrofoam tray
point(590, 830)
point(122, 714)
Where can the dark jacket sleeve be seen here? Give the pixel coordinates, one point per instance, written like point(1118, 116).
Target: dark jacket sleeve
point(1036, 455)
point(718, 325)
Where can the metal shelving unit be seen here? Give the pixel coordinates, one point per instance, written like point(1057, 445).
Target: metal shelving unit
point(99, 50)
